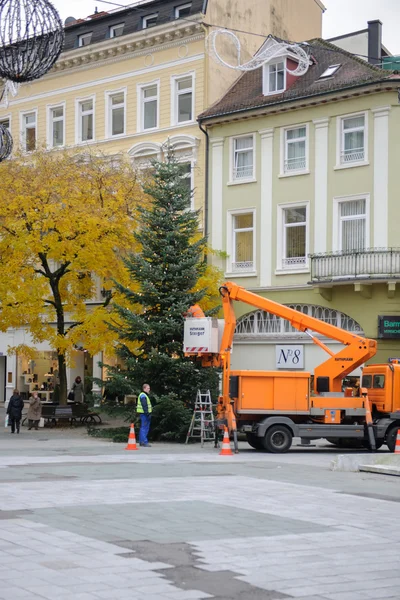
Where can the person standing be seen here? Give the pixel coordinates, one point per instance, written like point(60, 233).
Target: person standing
point(357, 389)
point(14, 410)
point(77, 389)
point(34, 411)
point(144, 409)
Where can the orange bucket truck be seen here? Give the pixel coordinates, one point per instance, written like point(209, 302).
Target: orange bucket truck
point(272, 407)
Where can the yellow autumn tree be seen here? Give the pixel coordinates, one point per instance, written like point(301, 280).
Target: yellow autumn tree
point(66, 221)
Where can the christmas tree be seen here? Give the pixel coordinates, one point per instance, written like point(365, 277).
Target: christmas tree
point(166, 277)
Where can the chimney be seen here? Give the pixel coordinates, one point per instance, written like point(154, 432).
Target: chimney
point(375, 42)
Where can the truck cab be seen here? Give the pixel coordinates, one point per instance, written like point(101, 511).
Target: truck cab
point(382, 382)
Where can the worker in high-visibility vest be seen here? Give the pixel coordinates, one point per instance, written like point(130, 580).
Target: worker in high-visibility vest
point(195, 312)
point(144, 409)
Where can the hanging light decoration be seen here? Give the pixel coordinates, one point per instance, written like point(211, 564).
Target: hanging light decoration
point(6, 143)
point(269, 51)
point(31, 39)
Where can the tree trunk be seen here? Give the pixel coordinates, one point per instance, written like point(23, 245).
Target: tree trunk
point(62, 374)
point(62, 366)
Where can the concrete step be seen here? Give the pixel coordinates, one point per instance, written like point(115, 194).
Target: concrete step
point(352, 462)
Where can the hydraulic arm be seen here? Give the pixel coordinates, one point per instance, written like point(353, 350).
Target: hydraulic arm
point(357, 350)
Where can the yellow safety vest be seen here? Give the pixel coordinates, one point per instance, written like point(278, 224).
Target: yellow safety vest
point(139, 404)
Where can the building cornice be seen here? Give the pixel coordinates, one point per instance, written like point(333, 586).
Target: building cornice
point(140, 43)
point(291, 105)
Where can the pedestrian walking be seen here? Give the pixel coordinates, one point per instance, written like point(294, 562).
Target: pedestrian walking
point(14, 410)
point(34, 411)
point(77, 390)
point(144, 409)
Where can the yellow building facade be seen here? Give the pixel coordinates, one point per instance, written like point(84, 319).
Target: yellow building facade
point(132, 82)
point(134, 93)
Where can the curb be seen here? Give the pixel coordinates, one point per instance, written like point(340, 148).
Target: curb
point(380, 469)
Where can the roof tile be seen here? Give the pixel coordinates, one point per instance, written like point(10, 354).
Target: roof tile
point(247, 94)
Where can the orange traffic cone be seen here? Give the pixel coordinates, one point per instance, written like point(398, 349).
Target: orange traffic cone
point(397, 447)
point(132, 439)
point(226, 446)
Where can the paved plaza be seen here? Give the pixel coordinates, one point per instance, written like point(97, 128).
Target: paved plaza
point(81, 518)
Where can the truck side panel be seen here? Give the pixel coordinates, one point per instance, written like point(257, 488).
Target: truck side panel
point(273, 390)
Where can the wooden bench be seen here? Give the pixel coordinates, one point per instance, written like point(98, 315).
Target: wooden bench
point(55, 412)
point(48, 413)
point(65, 413)
point(74, 413)
point(84, 414)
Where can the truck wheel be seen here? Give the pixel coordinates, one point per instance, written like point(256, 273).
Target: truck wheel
point(254, 441)
point(277, 439)
point(391, 438)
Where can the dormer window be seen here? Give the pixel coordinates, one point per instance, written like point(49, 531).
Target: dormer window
point(84, 39)
point(275, 77)
point(116, 30)
point(183, 10)
point(330, 71)
point(150, 21)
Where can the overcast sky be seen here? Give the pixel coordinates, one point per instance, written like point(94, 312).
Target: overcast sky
point(341, 16)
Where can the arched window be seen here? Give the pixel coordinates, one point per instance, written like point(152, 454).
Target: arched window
point(142, 154)
point(262, 325)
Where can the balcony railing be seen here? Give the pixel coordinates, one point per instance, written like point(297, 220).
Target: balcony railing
point(297, 262)
point(245, 172)
point(243, 267)
point(354, 155)
point(373, 263)
point(295, 164)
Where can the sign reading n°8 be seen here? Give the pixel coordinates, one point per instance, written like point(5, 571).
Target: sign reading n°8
point(289, 356)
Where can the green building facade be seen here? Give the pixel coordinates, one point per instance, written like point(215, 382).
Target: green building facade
point(304, 200)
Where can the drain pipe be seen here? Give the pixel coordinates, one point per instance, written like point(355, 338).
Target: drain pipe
point(206, 172)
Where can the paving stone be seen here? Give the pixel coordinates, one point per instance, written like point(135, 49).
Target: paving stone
point(264, 534)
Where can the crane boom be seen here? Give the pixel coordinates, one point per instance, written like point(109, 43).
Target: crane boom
point(357, 349)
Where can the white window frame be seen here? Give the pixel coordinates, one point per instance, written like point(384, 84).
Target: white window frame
point(141, 87)
point(230, 239)
point(266, 90)
point(188, 161)
point(23, 129)
point(147, 18)
point(232, 180)
point(281, 268)
point(50, 122)
point(340, 141)
point(78, 120)
point(114, 27)
point(108, 113)
point(175, 93)
point(284, 146)
point(181, 7)
point(82, 36)
point(336, 233)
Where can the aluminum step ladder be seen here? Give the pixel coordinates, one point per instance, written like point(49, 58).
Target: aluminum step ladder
point(202, 424)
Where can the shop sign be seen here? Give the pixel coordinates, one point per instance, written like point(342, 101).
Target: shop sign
point(389, 326)
point(289, 356)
